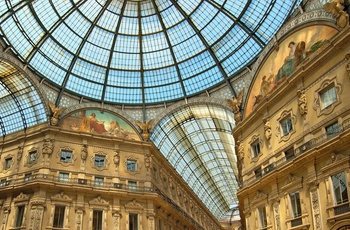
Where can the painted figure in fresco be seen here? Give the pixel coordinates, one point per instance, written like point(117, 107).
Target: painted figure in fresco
point(295, 57)
point(91, 124)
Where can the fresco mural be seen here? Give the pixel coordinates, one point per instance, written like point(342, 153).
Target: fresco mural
point(95, 121)
point(294, 50)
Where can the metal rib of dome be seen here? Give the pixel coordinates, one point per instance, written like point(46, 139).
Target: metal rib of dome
point(197, 141)
point(139, 52)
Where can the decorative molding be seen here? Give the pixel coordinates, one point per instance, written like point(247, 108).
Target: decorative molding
point(22, 197)
point(138, 165)
point(279, 132)
point(292, 183)
point(61, 197)
point(106, 161)
point(328, 83)
point(98, 201)
point(73, 156)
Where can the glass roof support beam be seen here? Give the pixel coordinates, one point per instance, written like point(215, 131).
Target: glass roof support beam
point(218, 64)
point(14, 9)
point(112, 49)
point(17, 103)
point(170, 47)
point(238, 21)
point(81, 45)
point(141, 64)
point(48, 33)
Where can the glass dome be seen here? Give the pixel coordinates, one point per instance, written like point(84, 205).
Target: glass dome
point(140, 51)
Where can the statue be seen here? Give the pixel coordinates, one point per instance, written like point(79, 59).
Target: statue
point(145, 128)
point(116, 159)
point(267, 129)
point(48, 146)
point(20, 153)
point(56, 111)
point(235, 105)
point(302, 102)
point(84, 152)
point(336, 7)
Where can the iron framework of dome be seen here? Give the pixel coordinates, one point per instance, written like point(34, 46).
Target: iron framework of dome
point(140, 51)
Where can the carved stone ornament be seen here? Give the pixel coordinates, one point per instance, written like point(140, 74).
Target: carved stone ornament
point(302, 103)
point(21, 197)
point(267, 129)
point(19, 153)
point(347, 58)
point(61, 197)
point(98, 201)
point(84, 152)
point(145, 127)
point(56, 111)
point(48, 146)
point(116, 159)
point(336, 7)
point(235, 104)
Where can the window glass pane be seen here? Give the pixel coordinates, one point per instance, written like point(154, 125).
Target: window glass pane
point(97, 220)
point(328, 97)
point(133, 223)
point(332, 130)
point(66, 156)
point(99, 161)
point(339, 188)
point(58, 217)
point(262, 217)
point(132, 185)
point(295, 203)
point(286, 125)
point(63, 177)
point(131, 165)
point(19, 217)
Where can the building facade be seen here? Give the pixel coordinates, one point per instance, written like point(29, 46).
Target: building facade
point(293, 143)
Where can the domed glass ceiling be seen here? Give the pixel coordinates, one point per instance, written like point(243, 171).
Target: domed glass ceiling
point(140, 51)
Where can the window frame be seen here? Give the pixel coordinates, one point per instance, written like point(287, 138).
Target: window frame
point(262, 217)
point(133, 221)
point(97, 161)
point(99, 181)
point(63, 177)
point(335, 200)
point(8, 162)
point(64, 160)
point(324, 92)
point(332, 131)
point(97, 215)
point(20, 210)
point(287, 123)
point(295, 204)
point(131, 165)
point(58, 217)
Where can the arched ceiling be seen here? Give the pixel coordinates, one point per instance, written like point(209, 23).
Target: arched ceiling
point(197, 141)
point(20, 104)
point(140, 51)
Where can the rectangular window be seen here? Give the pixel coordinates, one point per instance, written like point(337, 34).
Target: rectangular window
point(255, 148)
point(99, 161)
point(328, 96)
point(32, 157)
point(295, 204)
point(63, 177)
point(99, 181)
point(332, 130)
point(262, 217)
point(131, 165)
point(66, 156)
point(58, 217)
point(97, 220)
point(133, 222)
point(286, 125)
point(8, 162)
point(19, 216)
point(132, 185)
point(340, 189)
